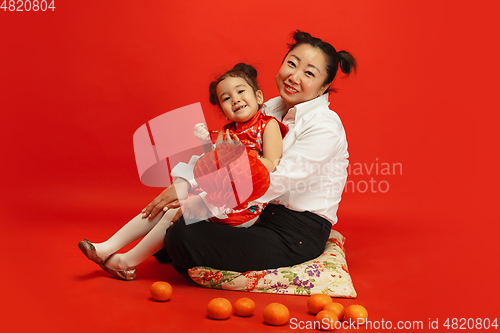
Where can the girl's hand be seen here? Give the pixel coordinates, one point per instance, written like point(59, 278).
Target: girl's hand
point(201, 133)
point(168, 198)
point(219, 137)
point(231, 138)
point(193, 208)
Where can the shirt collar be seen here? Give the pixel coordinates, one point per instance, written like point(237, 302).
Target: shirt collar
point(276, 106)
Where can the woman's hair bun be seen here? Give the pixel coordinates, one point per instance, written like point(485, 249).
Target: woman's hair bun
point(246, 69)
point(347, 62)
point(300, 35)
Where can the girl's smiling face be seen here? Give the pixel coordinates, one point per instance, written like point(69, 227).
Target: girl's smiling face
point(302, 75)
point(237, 99)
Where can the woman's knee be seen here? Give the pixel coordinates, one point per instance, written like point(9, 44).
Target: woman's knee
point(181, 244)
point(176, 234)
point(181, 239)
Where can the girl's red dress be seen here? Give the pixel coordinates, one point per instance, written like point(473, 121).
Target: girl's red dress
point(250, 133)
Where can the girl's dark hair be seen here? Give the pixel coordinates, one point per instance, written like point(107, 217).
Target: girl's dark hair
point(334, 59)
point(242, 70)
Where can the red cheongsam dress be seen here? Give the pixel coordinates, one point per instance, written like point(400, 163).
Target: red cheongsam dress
point(250, 134)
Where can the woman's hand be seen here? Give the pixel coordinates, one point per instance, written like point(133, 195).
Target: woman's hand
point(168, 198)
point(192, 208)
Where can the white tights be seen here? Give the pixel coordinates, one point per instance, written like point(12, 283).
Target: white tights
point(154, 235)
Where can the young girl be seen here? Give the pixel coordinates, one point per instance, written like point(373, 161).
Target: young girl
point(238, 95)
point(240, 99)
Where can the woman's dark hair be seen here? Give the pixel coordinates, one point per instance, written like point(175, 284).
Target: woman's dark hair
point(242, 70)
point(334, 59)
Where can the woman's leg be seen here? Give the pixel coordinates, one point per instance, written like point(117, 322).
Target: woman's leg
point(130, 232)
point(280, 238)
point(149, 245)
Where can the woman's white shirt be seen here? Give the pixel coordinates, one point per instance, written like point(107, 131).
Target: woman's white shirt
point(313, 169)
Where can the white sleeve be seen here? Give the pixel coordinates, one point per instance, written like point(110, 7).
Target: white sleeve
point(216, 211)
point(185, 171)
point(312, 150)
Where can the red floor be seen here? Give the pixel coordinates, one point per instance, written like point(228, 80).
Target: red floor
point(400, 273)
point(77, 82)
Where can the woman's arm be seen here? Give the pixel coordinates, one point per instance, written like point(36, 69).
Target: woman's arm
point(311, 152)
point(272, 145)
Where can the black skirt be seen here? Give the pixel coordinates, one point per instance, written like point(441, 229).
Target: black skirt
point(281, 238)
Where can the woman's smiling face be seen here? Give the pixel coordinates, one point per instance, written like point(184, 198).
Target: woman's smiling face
point(302, 74)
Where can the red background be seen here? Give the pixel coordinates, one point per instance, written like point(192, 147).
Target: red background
point(77, 82)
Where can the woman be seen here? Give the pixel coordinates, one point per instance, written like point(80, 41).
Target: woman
point(306, 186)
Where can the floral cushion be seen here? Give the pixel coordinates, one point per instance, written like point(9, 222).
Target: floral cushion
point(327, 274)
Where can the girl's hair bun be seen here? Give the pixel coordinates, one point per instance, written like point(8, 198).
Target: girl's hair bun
point(212, 89)
point(246, 69)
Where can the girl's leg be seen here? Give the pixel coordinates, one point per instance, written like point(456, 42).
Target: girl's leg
point(149, 245)
point(132, 231)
